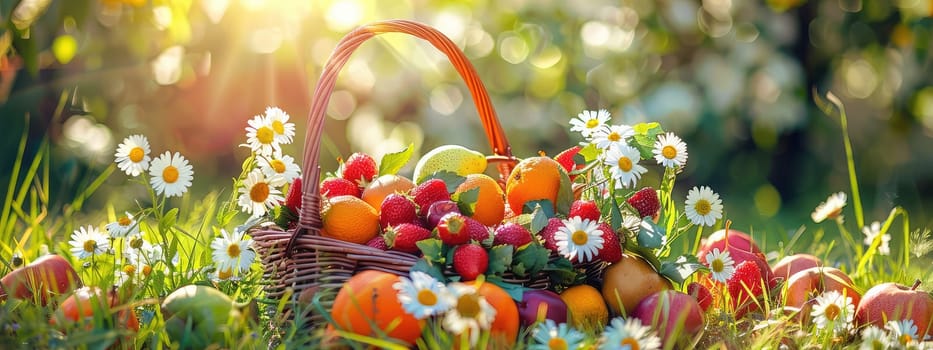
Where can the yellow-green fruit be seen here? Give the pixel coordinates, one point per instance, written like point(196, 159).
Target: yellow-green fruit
point(457, 159)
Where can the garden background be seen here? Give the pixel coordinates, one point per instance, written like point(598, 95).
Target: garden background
point(734, 79)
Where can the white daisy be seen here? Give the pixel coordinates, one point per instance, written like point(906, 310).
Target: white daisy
point(830, 209)
point(612, 136)
point(171, 175)
point(871, 232)
point(133, 155)
point(422, 295)
point(278, 120)
point(579, 238)
point(720, 265)
point(279, 169)
point(703, 206)
point(670, 150)
point(88, 241)
point(833, 311)
point(260, 137)
point(470, 313)
point(551, 336)
point(903, 331)
point(628, 334)
point(231, 250)
point(258, 195)
point(124, 226)
point(623, 165)
point(587, 122)
point(874, 338)
point(139, 251)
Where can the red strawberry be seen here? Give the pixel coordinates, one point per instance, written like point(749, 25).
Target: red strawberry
point(470, 261)
point(567, 162)
point(512, 234)
point(360, 168)
point(646, 202)
point(702, 295)
point(429, 192)
point(585, 210)
point(378, 242)
point(476, 229)
point(335, 186)
point(611, 252)
point(293, 198)
point(548, 232)
point(452, 229)
point(404, 237)
point(747, 278)
point(397, 209)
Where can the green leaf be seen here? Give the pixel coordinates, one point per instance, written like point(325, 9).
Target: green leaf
point(589, 152)
point(168, 221)
point(650, 235)
point(564, 193)
point(500, 258)
point(516, 291)
point(530, 259)
point(646, 128)
point(430, 268)
point(451, 179)
point(538, 221)
point(391, 163)
point(432, 248)
point(615, 215)
point(561, 272)
point(466, 201)
point(645, 136)
point(522, 219)
point(681, 269)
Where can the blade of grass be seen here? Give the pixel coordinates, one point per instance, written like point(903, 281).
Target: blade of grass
point(850, 158)
point(6, 224)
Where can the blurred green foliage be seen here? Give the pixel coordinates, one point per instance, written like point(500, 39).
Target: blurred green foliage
point(734, 79)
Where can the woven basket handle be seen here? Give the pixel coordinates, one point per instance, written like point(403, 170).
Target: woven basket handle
point(310, 216)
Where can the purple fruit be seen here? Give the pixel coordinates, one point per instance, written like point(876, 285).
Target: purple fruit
point(438, 209)
point(541, 302)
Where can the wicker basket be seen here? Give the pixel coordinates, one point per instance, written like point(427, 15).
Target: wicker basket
point(302, 259)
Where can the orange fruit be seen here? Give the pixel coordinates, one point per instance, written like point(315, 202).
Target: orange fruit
point(349, 219)
point(490, 204)
point(367, 299)
point(382, 186)
point(586, 306)
point(505, 325)
point(532, 179)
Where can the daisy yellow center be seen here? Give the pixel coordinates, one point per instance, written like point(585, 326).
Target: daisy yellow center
point(632, 343)
point(124, 221)
point(278, 127)
point(614, 137)
point(579, 237)
point(468, 305)
point(259, 192)
point(147, 270)
point(669, 152)
point(170, 174)
point(592, 123)
point(137, 154)
point(905, 339)
point(717, 265)
point(834, 213)
point(427, 297)
point(265, 135)
point(225, 274)
point(625, 164)
point(90, 245)
point(233, 250)
point(557, 344)
point(703, 207)
point(832, 312)
point(129, 269)
point(277, 165)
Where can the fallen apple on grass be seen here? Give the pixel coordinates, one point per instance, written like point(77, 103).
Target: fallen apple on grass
point(805, 285)
point(86, 303)
point(197, 316)
point(791, 264)
point(47, 276)
point(895, 302)
point(676, 316)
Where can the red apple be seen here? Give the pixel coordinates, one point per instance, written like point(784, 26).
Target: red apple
point(86, 301)
point(892, 301)
point(47, 275)
point(540, 304)
point(676, 316)
point(807, 284)
point(792, 264)
point(741, 248)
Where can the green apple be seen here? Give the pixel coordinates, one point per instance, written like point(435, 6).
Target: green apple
point(197, 316)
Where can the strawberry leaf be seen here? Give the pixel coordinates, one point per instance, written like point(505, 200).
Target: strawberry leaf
point(451, 179)
point(430, 268)
point(466, 201)
point(391, 163)
point(433, 249)
point(615, 215)
point(530, 259)
point(538, 220)
point(679, 270)
point(650, 235)
point(561, 272)
point(645, 136)
point(589, 152)
point(500, 258)
point(544, 205)
point(514, 290)
point(564, 193)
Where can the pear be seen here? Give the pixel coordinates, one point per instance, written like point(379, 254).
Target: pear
point(453, 158)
